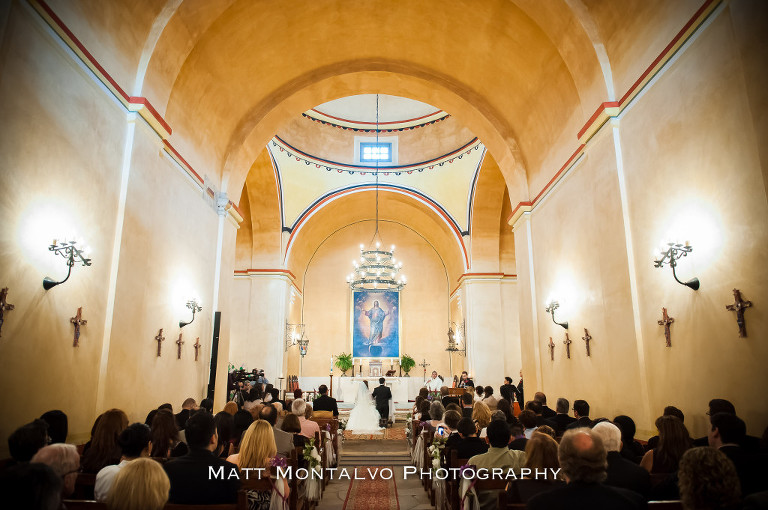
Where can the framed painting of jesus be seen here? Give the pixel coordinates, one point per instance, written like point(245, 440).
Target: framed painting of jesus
point(375, 324)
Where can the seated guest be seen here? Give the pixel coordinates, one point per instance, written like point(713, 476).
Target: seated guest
point(423, 413)
point(190, 483)
point(142, 483)
point(242, 420)
point(297, 393)
point(65, 462)
point(451, 419)
point(187, 407)
point(541, 455)
point(726, 434)
point(481, 415)
point(207, 404)
point(446, 399)
point(505, 407)
point(308, 427)
point(581, 413)
point(165, 436)
point(546, 412)
point(489, 399)
point(466, 405)
point(453, 407)
point(417, 405)
point(135, 442)
point(276, 397)
point(57, 426)
point(257, 451)
point(255, 410)
point(561, 420)
point(507, 391)
point(536, 409)
point(469, 445)
point(225, 426)
point(583, 461)
point(104, 449)
point(436, 412)
point(750, 444)
point(292, 425)
point(621, 472)
point(653, 441)
point(708, 479)
point(230, 407)
point(479, 393)
point(308, 411)
point(497, 456)
point(519, 441)
point(528, 421)
point(31, 487)
point(325, 403)
point(630, 448)
point(673, 442)
point(546, 429)
point(26, 440)
point(283, 440)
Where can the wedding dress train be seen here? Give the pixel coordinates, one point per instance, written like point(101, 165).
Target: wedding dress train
point(364, 418)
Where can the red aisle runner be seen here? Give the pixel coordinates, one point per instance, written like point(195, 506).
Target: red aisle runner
point(374, 492)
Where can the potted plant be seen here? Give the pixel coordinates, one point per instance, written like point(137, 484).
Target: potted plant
point(343, 363)
point(407, 363)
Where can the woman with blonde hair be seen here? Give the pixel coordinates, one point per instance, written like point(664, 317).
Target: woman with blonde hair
point(257, 449)
point(231, 408)
point(481, 415)
point(540, 456)
point(141, 485)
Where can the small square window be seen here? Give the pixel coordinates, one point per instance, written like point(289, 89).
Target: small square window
point(376, 152)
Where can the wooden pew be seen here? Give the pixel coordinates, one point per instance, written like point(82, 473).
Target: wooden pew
point(665, 505)
point(452, 487)
point(84, 486)
point(83, 504)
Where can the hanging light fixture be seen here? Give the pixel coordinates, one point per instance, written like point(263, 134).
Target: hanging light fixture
point(377, 268)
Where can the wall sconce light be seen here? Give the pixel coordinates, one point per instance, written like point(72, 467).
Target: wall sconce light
point(670, 255)
point(72, 254)
point(295, 334)
point(456, 335)
point(192, 305)
point(551, 307)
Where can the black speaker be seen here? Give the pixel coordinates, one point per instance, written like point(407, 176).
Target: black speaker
point(214, 353)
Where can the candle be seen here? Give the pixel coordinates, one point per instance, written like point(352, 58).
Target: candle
point(331, 362)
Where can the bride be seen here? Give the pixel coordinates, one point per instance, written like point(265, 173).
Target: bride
point(364, 417)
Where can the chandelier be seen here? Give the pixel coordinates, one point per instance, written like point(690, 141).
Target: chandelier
point(377, 268)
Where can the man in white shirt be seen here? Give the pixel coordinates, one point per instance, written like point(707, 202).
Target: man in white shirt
point(435, 383)
point(135, 442)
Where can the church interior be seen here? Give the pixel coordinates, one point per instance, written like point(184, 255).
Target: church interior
point(556, 172)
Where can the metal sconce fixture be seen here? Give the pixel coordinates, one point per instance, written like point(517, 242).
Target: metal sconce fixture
point(670, 255)
point(551, 307)
point(192, 305)
point(70, 251)
point(295, 334)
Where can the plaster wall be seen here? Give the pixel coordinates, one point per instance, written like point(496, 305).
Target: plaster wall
point(485, 331)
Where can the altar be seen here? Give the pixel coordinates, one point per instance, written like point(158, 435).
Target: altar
point(345, 388)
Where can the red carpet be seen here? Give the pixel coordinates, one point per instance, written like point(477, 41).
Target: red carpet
point(372, 493)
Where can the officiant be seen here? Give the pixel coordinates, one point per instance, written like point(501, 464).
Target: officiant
point(435, 383)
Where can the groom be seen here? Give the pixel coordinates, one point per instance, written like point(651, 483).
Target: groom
point(382, 394)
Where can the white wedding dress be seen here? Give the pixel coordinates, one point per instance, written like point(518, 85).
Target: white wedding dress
point(364, 418)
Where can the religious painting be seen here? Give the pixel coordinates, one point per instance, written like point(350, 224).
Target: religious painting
point(375, 324)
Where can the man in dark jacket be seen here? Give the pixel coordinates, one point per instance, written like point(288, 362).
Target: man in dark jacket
point(621, 472)
point(382, 394)
point(561, 420)
point(200, 477)
point(324, 402)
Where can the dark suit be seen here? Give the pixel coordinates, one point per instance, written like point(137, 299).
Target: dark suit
point(466, 412)
point(584, 421)
point(627, 475)
point(382, 394)
point(559, 422)
point(450, 400)
point(751, 469)
point(469, 447)
point(547, 413)
point(587, 496)
point(326, 403)
point(518, 444)
point(190, 483)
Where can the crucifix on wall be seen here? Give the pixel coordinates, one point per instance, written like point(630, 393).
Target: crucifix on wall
point(179, 342)
point(551, 349)
point(587, 337)
point(739, 306)
point(197, 346)
point(424, 364)
point(159, 339)
point(78, 321)
point(666, 321)
point(567, 343)
point(4, 306)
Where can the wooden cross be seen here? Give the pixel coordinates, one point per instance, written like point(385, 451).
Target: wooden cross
point(78, 321)
point(551, 349)
point(739, 306)
point(197, 347)
point(424, 364)
point(666, 321)
point(179, 342)
point(160, 339)
point(4, 306)
point(587, 337)
point(567, 343)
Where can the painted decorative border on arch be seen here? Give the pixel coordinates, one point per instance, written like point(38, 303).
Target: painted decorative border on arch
point(351, 125)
